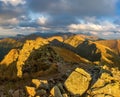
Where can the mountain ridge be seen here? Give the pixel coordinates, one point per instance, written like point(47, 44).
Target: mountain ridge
point(73, 66)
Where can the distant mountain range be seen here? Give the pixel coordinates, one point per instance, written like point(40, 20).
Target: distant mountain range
point(44, 35)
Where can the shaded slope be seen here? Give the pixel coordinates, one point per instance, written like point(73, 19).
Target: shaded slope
point(89, 51)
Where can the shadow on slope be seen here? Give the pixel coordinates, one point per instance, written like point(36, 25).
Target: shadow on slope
point(89, 51)
point(93, 52)
point(85, 50)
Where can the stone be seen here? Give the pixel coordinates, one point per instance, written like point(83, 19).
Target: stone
point(16, 93)
point(110, 89)
point(61, 87)
point(99, 95)
point(83, 72)
point(36, 82)
point(99, 83)
point(10, 91)
point(55, 91)
point(65, 95)
point(41, 92)
point(78, 82)
point(31, 91)
point(40, 83)
point(37, 96)
point(44, 84)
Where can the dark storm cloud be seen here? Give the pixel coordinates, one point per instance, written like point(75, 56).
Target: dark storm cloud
point(56, 15)
point(74, 7)
point(29, 24)
point(66, 12)
point(62, 20)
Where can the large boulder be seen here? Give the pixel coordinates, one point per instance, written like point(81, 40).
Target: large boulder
point(78, 82)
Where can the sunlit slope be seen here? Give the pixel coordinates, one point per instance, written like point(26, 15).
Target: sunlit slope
point(74, 40)
point(109, 56)
point(113, 44)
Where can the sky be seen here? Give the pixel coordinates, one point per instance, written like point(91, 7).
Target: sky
point(97, 17)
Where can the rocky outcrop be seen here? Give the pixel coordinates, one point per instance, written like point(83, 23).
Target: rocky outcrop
point(82, 82)
point(105, 85)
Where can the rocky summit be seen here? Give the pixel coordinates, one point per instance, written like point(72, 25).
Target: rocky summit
point(60, 66)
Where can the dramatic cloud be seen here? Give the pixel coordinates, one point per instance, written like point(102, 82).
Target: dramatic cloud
point(98, 17)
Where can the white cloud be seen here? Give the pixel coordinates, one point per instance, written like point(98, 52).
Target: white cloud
point(94, 33)
point(107, 33)
point(102, 26)
point(85, 27)
point(42, 20)
point(13, 2)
